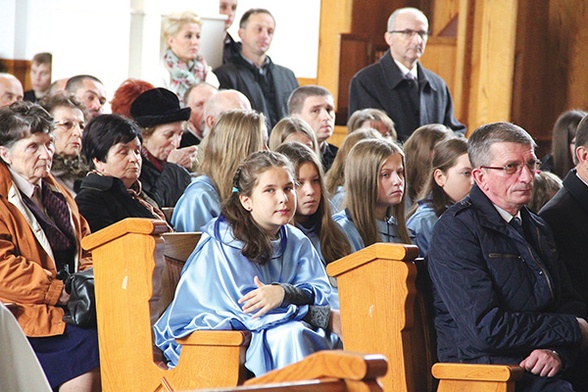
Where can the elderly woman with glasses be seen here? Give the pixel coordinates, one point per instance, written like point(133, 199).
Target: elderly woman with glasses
point(69, 116)
point(40, 234)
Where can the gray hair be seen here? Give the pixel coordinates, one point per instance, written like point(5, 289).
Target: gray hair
point(486, 135)
point(394, 15)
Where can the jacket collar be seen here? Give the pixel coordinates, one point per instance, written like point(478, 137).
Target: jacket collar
point(395, 77)
point(577, 189)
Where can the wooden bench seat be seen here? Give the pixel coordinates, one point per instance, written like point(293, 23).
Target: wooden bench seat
point(134, 285)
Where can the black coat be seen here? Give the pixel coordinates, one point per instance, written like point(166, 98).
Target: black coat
point(382, 86)
point(164, 187)
point(104, 200)
point(272, 100)
point(567, 214)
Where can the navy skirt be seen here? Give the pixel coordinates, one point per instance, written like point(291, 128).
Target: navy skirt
point(67, 356)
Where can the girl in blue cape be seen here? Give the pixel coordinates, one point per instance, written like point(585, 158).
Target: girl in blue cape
point(252, 271)
point(313, 212)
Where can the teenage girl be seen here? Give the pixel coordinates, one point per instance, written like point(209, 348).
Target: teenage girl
point(235, 135)
point(374, 182)
point(253, 271)
point(450, 181)
point(335, 178)
point(313, 213)
point(292, 129)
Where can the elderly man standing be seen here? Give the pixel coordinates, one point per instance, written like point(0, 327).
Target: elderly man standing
point(398, 84)
point(265, 84)
point(501, 293)
point(10, 89)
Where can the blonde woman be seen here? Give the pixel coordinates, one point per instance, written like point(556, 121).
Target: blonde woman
point(374, 180)
point(235, 135)
point(182, 64)
point(373, 118)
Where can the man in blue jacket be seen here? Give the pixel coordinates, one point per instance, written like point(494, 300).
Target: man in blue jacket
point(501, 294)
point(399, 85)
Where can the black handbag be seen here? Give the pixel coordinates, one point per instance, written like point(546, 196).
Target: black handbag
point(81, 307)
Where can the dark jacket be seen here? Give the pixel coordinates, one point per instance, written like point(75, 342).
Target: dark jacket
point(164, 187)
point(230, 48)
point(104, 200)
point(497, 297)
point(271, 100)
point(383, 86)
point(567, 214)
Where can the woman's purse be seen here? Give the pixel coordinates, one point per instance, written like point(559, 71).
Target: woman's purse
point(81, 307)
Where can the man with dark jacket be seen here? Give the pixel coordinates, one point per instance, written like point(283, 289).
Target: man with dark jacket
point(398, 84)
point(501, 294)
point(265, 84)
point(567, 215)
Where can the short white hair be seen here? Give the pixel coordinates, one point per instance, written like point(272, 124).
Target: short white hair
point(392, 18)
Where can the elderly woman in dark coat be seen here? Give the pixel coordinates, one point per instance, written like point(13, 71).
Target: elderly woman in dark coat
point(112, 190)
point(164, 175)
point(40, 234)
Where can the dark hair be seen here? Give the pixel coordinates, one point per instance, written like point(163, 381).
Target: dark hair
point(76, 82)
point(445, 157)
point(63, 99)
point(126, 94)
point(22, 119)
point(485, 136)
point(564, 131)
point(333, 242)
point(43, 58)
point(299, 96)
point(257, 242)
point(253, 11)
point(105, 131)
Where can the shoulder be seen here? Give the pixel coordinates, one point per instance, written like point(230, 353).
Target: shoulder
point(95, 182)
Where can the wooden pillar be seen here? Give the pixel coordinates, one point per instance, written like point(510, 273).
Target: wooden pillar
point(485, 61)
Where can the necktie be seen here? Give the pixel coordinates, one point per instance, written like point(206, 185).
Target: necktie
point(516, 223)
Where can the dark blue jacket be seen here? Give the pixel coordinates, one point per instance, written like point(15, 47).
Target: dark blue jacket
point(567, 215)
point(497, 297)
point(383, 86)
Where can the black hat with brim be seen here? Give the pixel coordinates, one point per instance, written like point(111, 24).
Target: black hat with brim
point(158, 106)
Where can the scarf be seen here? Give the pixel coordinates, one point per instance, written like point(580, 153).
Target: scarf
point(182, 75)
point(73, 167)
point(136, 192)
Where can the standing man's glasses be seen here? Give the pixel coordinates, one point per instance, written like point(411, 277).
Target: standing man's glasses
point(408, 33)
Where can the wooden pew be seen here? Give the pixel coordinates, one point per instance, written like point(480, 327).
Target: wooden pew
point(331, 371)
point(382, 311)
point(134, 284)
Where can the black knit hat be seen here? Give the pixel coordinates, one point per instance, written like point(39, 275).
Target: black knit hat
point(158, 106)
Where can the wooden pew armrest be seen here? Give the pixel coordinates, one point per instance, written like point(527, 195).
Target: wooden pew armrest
point(328, 364)
point(476, 372)
point(216, 338)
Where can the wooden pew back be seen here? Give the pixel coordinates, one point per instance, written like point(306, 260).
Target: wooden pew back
point(133, 285)
point(383, 311)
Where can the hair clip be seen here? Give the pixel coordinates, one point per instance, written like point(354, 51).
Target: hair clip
point(235, 189)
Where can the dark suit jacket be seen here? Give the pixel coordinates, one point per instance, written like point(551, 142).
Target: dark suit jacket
point(240, 75)
point(567, 214)
point(383, 86)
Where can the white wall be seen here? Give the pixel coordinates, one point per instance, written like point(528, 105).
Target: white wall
point(117, 39)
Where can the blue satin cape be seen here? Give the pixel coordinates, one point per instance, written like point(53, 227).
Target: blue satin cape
point(214, 278)
point(197, 206)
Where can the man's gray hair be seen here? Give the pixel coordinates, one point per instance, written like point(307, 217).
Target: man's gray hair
point(392, 18)
point(499, 132)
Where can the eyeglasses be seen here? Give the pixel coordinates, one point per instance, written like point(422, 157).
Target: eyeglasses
point(512, 168)
point(68, 125)
point(408, 33)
